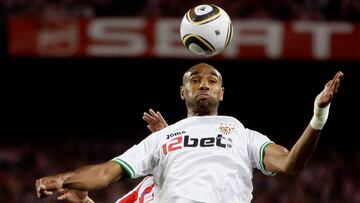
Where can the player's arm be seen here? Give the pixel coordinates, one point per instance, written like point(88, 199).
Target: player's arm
point(278, 159)
point(84, 179)
point(155, 122)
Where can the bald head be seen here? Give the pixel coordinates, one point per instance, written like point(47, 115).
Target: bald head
point(200, 68)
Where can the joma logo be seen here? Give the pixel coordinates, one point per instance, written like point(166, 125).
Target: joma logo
point(174, 134)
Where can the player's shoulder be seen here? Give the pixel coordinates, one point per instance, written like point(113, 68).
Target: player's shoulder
point(229, 119)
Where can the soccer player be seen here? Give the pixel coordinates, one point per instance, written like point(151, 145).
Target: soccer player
point(204, 157)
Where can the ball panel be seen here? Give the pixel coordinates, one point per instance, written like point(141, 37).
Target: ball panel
point(203, 14)
point(196, 49)
point(202, 43)
point(229, 34)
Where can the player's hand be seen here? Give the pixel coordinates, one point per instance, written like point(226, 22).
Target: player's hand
point(330, 90)
point(73, 196)
point(155, 120)
point(47, 185)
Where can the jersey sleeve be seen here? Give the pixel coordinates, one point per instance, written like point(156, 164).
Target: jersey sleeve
point(257, 143)
point(140, 159)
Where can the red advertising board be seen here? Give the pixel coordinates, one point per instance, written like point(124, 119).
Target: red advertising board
point(141, 37)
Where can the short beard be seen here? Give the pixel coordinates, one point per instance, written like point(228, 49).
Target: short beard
point(203, 107)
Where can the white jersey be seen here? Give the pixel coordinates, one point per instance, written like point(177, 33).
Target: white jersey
point(199, 159)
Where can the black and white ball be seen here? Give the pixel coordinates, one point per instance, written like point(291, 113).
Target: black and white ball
point(206, 30)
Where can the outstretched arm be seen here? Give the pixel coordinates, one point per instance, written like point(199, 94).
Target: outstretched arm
point(279, 159)
point(86, 178)
point(155, 122)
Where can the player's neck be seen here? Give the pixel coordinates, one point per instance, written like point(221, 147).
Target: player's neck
point(192, 113)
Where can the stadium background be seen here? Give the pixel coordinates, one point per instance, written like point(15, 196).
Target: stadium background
point(64, 111)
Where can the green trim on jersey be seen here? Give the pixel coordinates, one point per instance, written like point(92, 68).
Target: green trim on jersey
point(261, 159)
point(125, 166)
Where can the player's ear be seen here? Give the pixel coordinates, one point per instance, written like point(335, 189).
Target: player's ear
point(221, 96)
point(182, 92)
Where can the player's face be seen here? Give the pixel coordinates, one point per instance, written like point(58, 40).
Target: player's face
point(202, 89)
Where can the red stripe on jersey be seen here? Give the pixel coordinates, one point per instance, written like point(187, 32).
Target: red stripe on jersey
point(129, 198)
point(135, 195)
point(145, 192)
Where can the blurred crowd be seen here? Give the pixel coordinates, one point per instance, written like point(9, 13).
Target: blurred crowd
point(324, 10)
point(330, 177)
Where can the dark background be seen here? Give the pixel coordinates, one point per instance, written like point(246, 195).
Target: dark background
point(103, 98)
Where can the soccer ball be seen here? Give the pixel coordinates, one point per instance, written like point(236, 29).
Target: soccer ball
point(206, 30)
